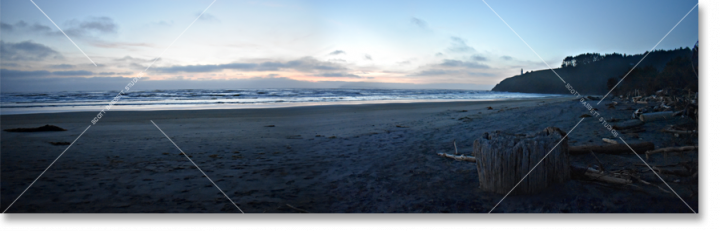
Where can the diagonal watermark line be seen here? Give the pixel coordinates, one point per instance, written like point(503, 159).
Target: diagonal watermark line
point(48, 167)
point(533, 168)
point(653, 48)
point(523, 40)
point(651, 169)
point(198, 167)
point(63, 32)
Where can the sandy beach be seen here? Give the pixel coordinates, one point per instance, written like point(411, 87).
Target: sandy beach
point(378, 158)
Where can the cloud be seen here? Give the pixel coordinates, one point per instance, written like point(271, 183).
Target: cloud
point(77, 28)
point(72, 73)
point(5, 27)
point(478, 58)
point(435, 72)
point(62, 66)
point(91, 26)
point(26, 51)
point(115, 73)
point(5, 73)
point(207, 17)
point(459, 46)
point(135, 60)
point(120, 45)
point(306, 64)
point(337, 52)
point(419, 22)
point(338, 74)
point(458, 63)
point(438, 54)
point(368, 57)
point(505, 57)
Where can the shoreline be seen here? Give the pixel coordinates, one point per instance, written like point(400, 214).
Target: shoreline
point(232, 106)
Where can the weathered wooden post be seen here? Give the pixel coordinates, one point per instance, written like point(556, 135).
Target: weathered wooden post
point(504, 159)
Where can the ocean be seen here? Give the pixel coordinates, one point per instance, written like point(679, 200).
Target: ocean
point(189, 99)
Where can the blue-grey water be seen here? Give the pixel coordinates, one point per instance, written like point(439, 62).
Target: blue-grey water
point(40, 102)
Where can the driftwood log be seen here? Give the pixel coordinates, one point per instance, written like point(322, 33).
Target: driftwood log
point(458, 157)
point(612, 148)
point(656, 116)
point(670, 149)
point(504, 159)
point(581, 172)
point(628, 124)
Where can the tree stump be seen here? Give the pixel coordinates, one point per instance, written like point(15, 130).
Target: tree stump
point(503, 160)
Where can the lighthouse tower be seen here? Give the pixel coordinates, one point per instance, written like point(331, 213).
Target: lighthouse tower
point(521, 71)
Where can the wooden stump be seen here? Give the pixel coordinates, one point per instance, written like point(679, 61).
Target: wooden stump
point(504, 159)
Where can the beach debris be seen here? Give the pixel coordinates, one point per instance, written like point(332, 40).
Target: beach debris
point(401, 126)
point(504, 159)
point(270, 126)
point(462, 111)
point(628, 124)
point(673, 129)
point(457, 157)
point(331, 137)
point(578, 171)
point(297, 209)
point(213, 156)
point(466, 119)
point(610, 141)
point(60, 143)
point(639, 147)
point(585, 115)
point(46, 128)
point(669, 150)
point(647, 117)
point(294, 137)
point(489, 108)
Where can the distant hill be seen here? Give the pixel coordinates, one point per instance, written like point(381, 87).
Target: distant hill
point(587, 73)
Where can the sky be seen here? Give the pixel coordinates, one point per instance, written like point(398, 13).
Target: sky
point(317, 44)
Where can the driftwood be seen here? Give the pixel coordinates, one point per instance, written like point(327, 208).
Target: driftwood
point(504, 159)
point(581, 172)
point(679, 131)
point(656, 116)
point(670, 149)
point(612, 148)
point(610, 141)
point(458, 157)
point(627, 124)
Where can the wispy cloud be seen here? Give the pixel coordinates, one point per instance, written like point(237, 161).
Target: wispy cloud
point(306, 64)
point(338, 74)
point(62, 66)
point(458, 63)
point(26, 51)
point(419, 22)
point(207, 17)
point(459, 45)
point(337, 52)
point(89, 27)
point(478, 58)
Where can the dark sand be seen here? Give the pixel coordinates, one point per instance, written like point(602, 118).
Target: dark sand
point(351, 158)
